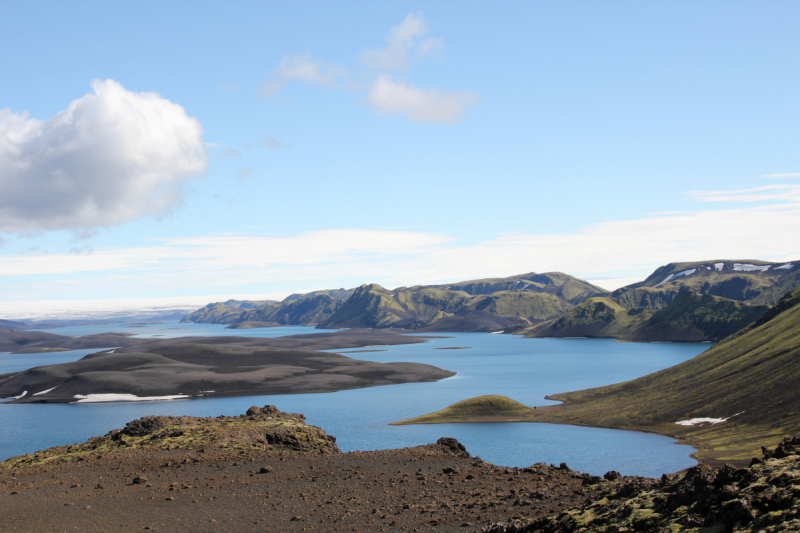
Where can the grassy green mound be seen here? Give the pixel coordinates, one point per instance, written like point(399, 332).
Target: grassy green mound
point(467, 410)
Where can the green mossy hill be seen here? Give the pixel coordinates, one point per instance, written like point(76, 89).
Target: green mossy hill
point(308, 311)
point(750, 379)
point(693, 317)
point(688, 317)
point(225, 312)
point(261, 428)
point(444, 309)
point(480, 406)
point(762, 497)
point(596, 317)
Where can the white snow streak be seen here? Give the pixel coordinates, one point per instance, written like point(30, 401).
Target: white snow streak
point(743, 267)
point(682, 273)
point(98, 398)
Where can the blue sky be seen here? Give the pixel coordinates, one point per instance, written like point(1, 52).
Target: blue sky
point(259, 148)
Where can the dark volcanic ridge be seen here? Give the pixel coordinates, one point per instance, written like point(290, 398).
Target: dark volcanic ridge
point(196, 367)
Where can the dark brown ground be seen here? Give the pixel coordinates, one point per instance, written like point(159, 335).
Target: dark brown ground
point(435, 487)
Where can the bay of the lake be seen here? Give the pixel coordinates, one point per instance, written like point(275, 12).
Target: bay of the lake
point(523, 369)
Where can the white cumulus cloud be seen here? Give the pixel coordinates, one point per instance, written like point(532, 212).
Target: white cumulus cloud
point(110, 157)
point(420, 105)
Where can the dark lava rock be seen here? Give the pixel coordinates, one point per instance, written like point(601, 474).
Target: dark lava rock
point(612, 475)
point(453, 446)
point(762, 497)
point(789, 446)
point(148, 425)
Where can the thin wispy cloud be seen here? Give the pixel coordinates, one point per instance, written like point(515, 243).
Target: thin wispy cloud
point(394, 258)
point(403, 40)
point(244, 173)
point(271, 143)
point(229, 152)
point(754, 194)
point(787, 175)
point(302, 68)
point(387, 96)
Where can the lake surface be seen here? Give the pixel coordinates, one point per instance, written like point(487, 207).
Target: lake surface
point(523, 369)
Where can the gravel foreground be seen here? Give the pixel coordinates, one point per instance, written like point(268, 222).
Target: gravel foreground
point(270, 471)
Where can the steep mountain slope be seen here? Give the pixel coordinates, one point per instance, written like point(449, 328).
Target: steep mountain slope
point(688, 317)
point(437, 309)
point(308, 311)
point(692, 317)
point(595, 317)
point(745, 388)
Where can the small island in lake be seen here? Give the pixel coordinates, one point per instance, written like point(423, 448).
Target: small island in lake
point(201, 367)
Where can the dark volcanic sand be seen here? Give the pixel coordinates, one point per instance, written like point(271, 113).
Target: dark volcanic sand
point(220, 366)
point(392, 490)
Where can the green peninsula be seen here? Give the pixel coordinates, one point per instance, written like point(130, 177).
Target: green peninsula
point(726, 402)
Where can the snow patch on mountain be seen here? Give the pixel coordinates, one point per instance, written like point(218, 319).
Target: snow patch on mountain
point(688, 272)
point(744, 267)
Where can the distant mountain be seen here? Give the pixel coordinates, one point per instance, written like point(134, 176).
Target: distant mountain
point(338, 294)
point(269, 313)
point(566, 287)
point(308, 311)
point(478, 305)
point(746, 281)
point(700, 301)
point(225, 312)
point(13, 324)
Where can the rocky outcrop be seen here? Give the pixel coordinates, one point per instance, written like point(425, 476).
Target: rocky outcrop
point(762, 497)
point(260, 429)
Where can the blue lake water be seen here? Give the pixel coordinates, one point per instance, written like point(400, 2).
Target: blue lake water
point(523, 369)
